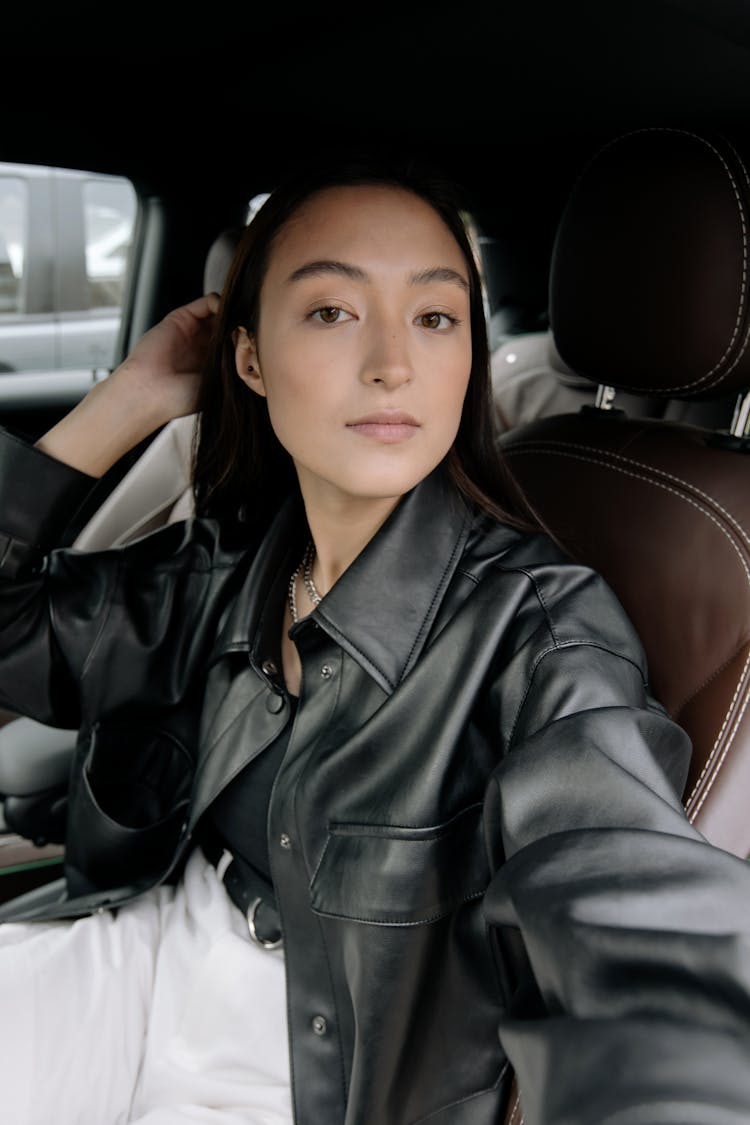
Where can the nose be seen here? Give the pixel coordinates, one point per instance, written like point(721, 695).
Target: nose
point(387, 361)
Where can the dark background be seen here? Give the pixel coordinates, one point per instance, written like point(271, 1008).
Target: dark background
point(207, 107)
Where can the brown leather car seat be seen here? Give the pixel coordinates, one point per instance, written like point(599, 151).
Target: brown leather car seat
point(649, 292)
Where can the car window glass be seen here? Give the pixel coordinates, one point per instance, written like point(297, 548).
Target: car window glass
point(65, 243)
point(109, 216)
point(13, 207)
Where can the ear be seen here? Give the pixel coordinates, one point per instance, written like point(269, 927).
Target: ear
point(246, 361)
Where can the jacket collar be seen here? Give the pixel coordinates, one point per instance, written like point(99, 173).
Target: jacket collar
point(382, 608)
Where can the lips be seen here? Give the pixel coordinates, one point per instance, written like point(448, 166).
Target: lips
point(386, 426)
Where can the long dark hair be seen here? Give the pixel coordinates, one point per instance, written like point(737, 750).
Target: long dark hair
point(238, 460)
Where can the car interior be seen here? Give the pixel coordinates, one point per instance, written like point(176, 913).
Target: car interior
point(604, 156)
point(660, 507)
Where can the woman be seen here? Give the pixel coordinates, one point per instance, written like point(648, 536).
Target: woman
point(359, 723)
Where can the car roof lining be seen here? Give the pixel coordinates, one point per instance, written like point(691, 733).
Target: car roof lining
point(504, 75)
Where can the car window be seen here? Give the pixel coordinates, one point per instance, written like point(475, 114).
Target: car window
point(109, 216)
point(65, 244)
point(13, 207)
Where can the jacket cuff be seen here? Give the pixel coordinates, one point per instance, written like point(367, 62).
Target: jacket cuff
point(38, 497)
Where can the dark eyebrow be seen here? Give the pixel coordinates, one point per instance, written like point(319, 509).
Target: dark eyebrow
point(354, 273)
point(439, 273)
point(325, 265)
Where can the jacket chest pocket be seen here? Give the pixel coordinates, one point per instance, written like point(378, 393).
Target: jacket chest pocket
point(399, 876)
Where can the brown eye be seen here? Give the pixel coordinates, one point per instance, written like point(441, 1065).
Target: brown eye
point(329, 315)
point(435, 320)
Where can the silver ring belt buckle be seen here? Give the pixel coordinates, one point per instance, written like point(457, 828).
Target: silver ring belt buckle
point(264, 943)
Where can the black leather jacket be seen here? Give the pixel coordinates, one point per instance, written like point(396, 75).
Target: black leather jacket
point(475, 835)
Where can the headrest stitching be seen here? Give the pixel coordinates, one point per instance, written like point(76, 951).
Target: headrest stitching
point(681, 496)
point(693, 813)
point(514, 1120)
point(707, 680)
point(525, 447)
point(727, 350)
point(662, 473)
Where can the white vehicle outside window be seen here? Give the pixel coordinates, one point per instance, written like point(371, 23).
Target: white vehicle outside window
point(65, 240)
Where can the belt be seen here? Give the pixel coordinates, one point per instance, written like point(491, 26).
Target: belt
point(251, 894)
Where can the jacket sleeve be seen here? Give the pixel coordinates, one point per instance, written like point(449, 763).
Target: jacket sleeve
point(631, 995)
point(38, 498)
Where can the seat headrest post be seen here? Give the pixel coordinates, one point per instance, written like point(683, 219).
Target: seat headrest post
point(740, 426)
point(605, 397)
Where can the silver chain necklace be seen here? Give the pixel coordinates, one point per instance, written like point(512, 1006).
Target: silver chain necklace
point(304, 569)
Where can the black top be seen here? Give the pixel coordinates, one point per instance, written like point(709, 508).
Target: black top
point(237, 819)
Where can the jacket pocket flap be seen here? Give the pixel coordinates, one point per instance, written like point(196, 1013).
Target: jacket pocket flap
point(127, 805)
point(394, 876)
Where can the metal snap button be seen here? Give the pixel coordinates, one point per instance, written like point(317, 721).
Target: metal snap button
point(326, 671)
point(274, 702)
point(319, 1025)
point(285, 841)
point(269, 668)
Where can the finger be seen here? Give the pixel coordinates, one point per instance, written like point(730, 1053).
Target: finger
point(202, 307)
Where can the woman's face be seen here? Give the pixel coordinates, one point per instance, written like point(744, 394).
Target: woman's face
point(363, 347)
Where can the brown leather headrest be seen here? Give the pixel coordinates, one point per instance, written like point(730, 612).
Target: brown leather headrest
point(650, 280)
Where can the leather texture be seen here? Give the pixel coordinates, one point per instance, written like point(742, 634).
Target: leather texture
point(648, 285)
point(664, 515)
point(34, 758)
point(648, 294)
point(485, 856)
point(649, 291)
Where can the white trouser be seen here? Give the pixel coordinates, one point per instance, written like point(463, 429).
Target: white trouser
point(163, 1013)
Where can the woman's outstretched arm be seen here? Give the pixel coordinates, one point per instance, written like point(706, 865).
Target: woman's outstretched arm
point(632, 1004)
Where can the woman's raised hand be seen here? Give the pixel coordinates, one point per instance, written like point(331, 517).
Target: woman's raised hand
point(159, 380)
point(164, 369)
